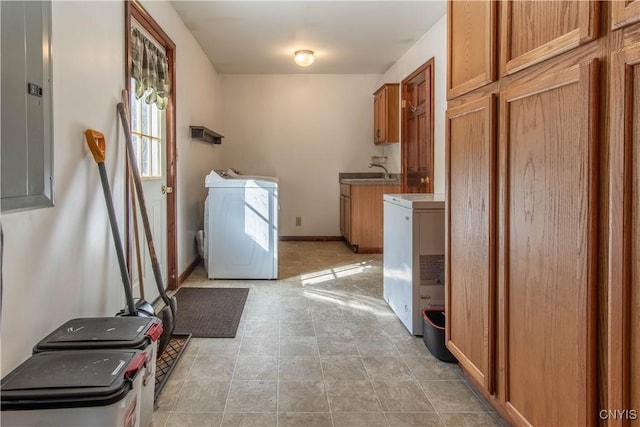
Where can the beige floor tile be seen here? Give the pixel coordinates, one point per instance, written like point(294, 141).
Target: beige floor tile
point(336, 368)
point(256, 368)
point(183, 367)
point(332, 328)
point(299, 368)
point(194, 419)
point(202, 396)
point(386, 368)
point(308, 347)
point(430, 368)
point(219, 346)
point(302, 396)
point(376, 346)
point(402, 396)
point(470, 420)
point(359, 419)
point(334, 346)
point(414, 420)
point(298, 346)
point(261, 328)
point(352, 396)
point(217, 367)
point(289, 328)
point(452, 396)
point(168, 397)
point(259, 346)
point(249, 420)
point(252, 396)
point(299, 419)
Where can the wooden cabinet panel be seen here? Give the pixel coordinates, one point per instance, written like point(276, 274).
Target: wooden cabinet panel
point(386, 114)
point(470, 251)
point(532, 31)
point(624, 235)
point(624, 12)
point(472, 45)
point(548, 246)
point(361, 208)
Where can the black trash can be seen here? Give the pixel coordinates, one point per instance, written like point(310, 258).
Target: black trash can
point(433, 322)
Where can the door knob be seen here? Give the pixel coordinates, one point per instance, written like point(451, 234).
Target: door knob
point(166, 189)
point(425, 180)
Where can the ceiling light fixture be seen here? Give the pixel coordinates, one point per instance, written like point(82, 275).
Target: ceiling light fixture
point(304, 58)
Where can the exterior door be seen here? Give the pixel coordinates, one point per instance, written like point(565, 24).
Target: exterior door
point(158, 146)
point(417, 130)
point(149, 137)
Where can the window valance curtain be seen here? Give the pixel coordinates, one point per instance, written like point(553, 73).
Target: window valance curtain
point(150, 70)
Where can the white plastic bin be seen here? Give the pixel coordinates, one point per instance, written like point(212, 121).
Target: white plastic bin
point(74, 389)
point(99, 333)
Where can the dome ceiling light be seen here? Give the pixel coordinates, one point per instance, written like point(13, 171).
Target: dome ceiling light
point(304, 58)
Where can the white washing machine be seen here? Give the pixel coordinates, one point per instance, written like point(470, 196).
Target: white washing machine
point(241, 226)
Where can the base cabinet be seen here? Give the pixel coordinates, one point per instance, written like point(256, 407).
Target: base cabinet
point(361, 215)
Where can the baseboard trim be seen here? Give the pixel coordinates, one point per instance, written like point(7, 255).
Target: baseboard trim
point(311, 238)
point(189, 270)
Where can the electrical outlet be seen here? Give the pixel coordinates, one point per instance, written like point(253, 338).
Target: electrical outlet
point(298, 221)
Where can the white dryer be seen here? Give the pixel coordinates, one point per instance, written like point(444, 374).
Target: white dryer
point(241, 226)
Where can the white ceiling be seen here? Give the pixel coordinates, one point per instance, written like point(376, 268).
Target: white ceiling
point(348, 37)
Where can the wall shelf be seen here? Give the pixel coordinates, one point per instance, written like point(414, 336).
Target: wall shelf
point(201, 133)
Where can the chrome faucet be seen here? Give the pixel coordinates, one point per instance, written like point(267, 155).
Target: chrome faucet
point(386, 172)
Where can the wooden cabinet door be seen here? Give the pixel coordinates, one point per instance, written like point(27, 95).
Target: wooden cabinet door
point(624, 12)
point(624, 238)
point(548, 246)
point(386, 108)
point(472, 45)
point(470, 244)
point(379, 116)
point(532, 30)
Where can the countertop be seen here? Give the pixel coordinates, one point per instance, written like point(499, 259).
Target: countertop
point(367, 178)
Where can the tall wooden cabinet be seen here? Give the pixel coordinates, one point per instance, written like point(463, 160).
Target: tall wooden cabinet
point(624, 232)
point(543, 218)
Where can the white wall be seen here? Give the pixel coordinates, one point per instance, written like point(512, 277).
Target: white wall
point(199, 102)
point(432, 44)
point(60, 263)
point(303, 129)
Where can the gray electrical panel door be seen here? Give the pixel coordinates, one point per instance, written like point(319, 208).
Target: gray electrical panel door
point(26, 138)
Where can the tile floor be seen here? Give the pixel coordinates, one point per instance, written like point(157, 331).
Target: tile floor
point(318, 347)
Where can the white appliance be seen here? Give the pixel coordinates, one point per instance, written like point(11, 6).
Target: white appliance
point(413, 259)
point(241, 226)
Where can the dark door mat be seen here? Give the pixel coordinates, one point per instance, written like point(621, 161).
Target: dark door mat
point(168, 360)
point(209, 312)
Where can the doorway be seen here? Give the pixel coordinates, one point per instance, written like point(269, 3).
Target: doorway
point(417, 130)
point(159, 186)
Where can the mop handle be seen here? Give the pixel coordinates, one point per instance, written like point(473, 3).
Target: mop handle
point(155, 266)
point(96, 142)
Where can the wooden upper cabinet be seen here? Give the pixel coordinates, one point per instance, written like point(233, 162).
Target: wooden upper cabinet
point(532, 30)
point(624, 235)
point(548, 262)
point(386, 114)
point(624, 12)
point(471, 40)
point(470, 278)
